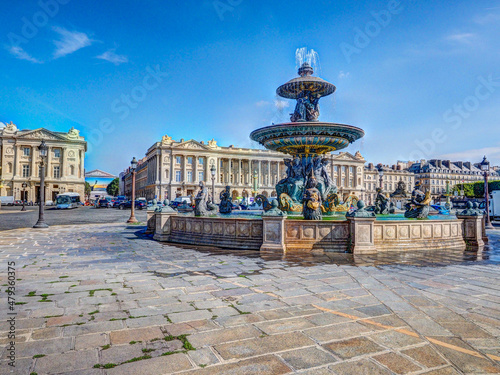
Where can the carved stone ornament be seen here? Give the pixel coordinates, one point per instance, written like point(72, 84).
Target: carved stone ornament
point(73, 133)
point(212, 143)
point(10, 128)
point(166, 140)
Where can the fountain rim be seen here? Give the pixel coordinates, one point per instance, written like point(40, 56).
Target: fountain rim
point(311, 124)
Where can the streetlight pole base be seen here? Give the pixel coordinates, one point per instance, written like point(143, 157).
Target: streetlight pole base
point(132, 220)
point(40, 224)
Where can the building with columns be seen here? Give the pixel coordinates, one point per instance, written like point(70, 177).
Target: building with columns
point(175, 168)
point(20, 162)
point(390, 179)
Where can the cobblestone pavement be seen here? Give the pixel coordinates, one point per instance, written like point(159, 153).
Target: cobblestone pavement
point(105, 299)
point(11, 217)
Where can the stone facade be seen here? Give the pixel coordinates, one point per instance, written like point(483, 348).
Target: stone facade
point(434, 173)
point(392, 175)
point(20, 162)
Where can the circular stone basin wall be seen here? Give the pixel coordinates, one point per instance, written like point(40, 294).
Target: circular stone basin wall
point(363, 235)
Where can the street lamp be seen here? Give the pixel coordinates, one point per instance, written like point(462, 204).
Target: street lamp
point(381, 176)
point(212, 172)
point(485, 167)
point(43, 153)
point(133, 166)
point(24, 185)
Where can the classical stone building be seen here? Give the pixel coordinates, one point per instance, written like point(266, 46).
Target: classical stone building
point(434, 174)
point(390, 178)
point(175, 168)
point(20, 162)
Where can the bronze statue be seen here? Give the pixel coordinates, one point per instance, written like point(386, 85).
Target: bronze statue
point(201, 202)
point(226, 205)
point(312, 201)
point(419, 207)
point(471, 210)
point(361, 211)
point(274, 210)
point(382, 203)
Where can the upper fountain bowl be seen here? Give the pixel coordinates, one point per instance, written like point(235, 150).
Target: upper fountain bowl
point(316, 86)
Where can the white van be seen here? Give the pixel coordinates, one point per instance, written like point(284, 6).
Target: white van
point(495, 205)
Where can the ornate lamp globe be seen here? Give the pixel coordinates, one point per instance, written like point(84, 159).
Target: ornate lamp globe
point(485, 165)
point(133, 164)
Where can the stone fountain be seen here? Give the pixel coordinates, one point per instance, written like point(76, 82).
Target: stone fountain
point(308, 189)
point(306, 140)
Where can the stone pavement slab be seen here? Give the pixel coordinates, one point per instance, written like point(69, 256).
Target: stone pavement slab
point(116, 296)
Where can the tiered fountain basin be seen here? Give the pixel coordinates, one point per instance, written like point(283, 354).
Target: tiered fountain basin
point(301, 138)
point(284, 235)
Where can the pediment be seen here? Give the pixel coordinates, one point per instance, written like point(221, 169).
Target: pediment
point(41, 134)
point(346, 156)
point(192, 144)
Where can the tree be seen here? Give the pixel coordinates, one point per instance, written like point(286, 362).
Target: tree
point(113, 188)
point(88, 189)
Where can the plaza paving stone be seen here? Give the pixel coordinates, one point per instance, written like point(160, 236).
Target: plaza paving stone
point(115, 297)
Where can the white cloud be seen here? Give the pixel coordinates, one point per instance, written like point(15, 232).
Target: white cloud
point(461, 37)
point(487, 18)
point(343, 74)
point(112, 57)
point(262, 103)
point(71, 41)
point(281, 104)
point(21, 54)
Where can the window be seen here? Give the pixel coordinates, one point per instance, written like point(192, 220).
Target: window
point(26, 151)
point(26, 170)
point(57, 171)
point(190, 160)
point(71, 170)
point(343, 182)
point(177, 176)
point(350, 183)
point(336, 169)
point(343, 169)
point(57, 152)
point(178, 159)
point(221, 178)
point(201, 161)
point(351, 170)
point(166, 174)
point(190, 175)
point(201, 176)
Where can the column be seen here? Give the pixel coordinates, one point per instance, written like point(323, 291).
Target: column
point(63, 162)
point(184, 169)
point(269, 182)
point(259, 171)
point(34, 155)
point(238, 182)
point(48, 169)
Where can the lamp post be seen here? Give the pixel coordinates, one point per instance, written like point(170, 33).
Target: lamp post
point(133, 166)
point(24, 185)
point(381, 177)
point(485, 167)
point(43, 153)
point(212, 172)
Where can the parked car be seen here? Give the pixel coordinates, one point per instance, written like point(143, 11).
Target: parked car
point(128, 204)
point(18, 202)
point(179, 201)
point(103, 203)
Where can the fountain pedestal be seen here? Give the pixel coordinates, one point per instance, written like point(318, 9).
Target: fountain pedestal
point(473, 231)
point(273, 234)
point(362, 238)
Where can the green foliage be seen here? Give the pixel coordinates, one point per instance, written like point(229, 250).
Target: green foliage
point(476, 189)
point(88, 189)
point(113, 188)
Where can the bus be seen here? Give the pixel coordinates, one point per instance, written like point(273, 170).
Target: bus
point(68, 200)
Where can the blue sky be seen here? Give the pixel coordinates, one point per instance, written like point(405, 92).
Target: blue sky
point(421, 78)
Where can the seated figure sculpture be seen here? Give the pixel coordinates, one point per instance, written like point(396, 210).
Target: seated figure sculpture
point(312, 201)
point(382, 203)
point(325, 185)
point(419, 207)
point(293, 184)
point(226, 205)
point(201, 202)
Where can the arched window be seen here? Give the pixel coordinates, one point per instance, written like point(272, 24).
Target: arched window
point(9, 167)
